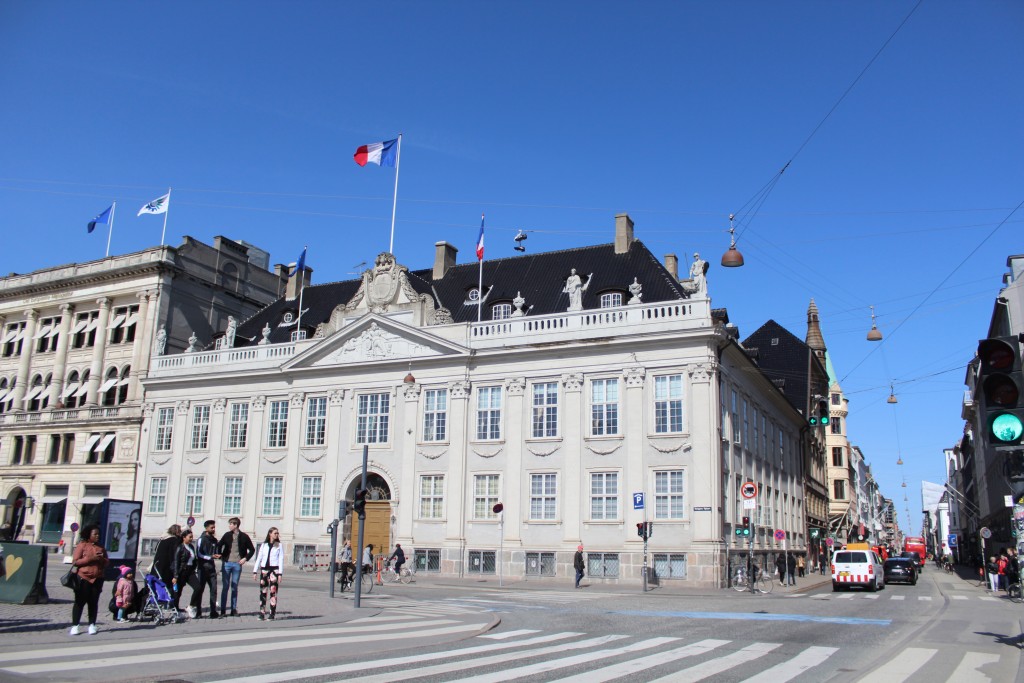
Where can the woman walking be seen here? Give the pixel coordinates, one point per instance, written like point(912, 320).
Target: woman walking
point(166, 553)
point(89, 559)
point(185, 569)
point(267, 570)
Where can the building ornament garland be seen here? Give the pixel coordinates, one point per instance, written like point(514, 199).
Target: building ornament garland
point(238, 457)
point(197, 458)
point(313, 456)
point(701, 372)
point(411, 391)
point(295, 400)
point(598, 451)
point(542, 453)
point(274, 458)
point(670, 448)
point(181, 408)
point(157, 461)
point(259, 402)
point(336, 397)
point(515, 386)
point(573, 381)
point(218, 405)
point(127, 445)
point(634, 376)
point(431, 456)
point(484, 454)
point(458, 389)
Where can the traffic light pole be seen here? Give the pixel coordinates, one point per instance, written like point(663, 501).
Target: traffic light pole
point(362, 525)
point(645, 547)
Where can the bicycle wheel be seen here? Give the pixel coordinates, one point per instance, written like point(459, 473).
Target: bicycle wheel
point(406, 575)
point(366, 585)
point(1015, 593)
point(765, 584)
point(739, 583)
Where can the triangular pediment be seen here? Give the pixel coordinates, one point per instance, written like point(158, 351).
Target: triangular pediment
point(374, 338)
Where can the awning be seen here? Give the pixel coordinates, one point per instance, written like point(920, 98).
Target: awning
point(109, 383)
point(4, 392)
point(93, 438)
point(55, 331)
point(124, 380)
point(53, 498)
point(92, 325)
point(43, 331)
point(132, 319)
point(11, 333)
point(33, 392)
point(105, 442)
point(83, 390)
point(70, 389)
point(90, 500)
point(116, 322)
point(79, 326)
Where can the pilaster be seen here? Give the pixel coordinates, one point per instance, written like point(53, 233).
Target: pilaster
point(60, 359)
point(572, 446)
point(96, 367)
point(25, 359)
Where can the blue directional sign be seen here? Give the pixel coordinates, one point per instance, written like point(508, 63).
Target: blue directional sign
point(952, 540)
point(638, 501)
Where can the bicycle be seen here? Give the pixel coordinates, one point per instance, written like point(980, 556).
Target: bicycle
point(762, 584)
point(389, 575)
point(1015, 591)
point(366, 585)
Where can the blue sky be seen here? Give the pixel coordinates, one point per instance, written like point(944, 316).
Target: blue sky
point(551, 118)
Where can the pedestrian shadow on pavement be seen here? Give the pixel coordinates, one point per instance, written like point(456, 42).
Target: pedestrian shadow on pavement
point(1016, 641)
point(30, 625)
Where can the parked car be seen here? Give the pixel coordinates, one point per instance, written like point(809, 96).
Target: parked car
point(901, 570)
point(857, 568)
point(917, 558)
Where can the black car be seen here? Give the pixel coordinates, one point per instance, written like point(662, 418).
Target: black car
point(900, 569)
point(915, 556)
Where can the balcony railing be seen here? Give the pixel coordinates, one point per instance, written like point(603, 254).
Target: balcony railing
point(72, 414)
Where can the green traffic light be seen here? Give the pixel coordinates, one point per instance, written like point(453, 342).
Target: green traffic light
point(1007, 428)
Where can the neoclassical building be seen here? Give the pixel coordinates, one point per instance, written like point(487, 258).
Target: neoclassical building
point(593, 374)
point(76, 339)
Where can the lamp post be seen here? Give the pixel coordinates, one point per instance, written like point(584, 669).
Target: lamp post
point(498, 510)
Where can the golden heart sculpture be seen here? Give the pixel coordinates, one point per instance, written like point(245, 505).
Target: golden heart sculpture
point(12, 564)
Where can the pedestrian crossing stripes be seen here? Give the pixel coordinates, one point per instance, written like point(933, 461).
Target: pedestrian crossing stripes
point(896, 596)
point(516, 654)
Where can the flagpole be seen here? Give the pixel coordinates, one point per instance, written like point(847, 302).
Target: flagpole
point(163, 233)
point(302, 288)
point(394, 202)
point(480, 282)
point(110, 228)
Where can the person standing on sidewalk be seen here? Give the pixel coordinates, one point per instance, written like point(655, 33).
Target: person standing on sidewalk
point(90, 559)
point(235, 549)
point(577, 564)
point(185, 565)
point(267, 570)
point(166, 551)
point(801, 565)
point(780, 567)
point(206, 550)
point(791, 568)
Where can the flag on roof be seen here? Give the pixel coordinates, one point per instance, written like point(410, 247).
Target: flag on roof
point(380, 153)
point(480, 241)
point(301, 263)
point(158, 205)
point(102, 219)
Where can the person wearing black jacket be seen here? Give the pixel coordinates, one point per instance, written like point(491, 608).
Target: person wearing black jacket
point(235, 549)
point(206, 550)
point(166, 551)
point(185, 564)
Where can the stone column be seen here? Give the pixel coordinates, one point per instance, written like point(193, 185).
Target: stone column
point(140, 346)
point(252, 484)
point(512, 491)
point(96, 367)
point(212, 492)
point(296, 438)
point(572, 445)
point(60, 360)
point(455, 487)
point(149, 329)
point(633, 421)
point(25, 360)
point(407, 498)
point(179, 443)
point(334, 462)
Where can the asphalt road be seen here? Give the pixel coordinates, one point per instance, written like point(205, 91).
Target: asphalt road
point(942, 629)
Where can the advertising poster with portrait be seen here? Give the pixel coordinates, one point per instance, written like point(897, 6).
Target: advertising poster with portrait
point(120, 521)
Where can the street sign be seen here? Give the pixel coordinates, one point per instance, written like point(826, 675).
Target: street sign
point(749, 504)
point(780, 535)
point(74, 527)
point(829, 542)
point(191, 521)
point(748, 490)
point(952, 541)
point(985, 533)
point(638, 501)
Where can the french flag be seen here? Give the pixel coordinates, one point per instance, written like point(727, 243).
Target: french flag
point(380, 153)
point(480, 241)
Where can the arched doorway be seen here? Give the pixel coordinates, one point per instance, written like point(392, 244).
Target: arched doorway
point(12, 516)
point(377, 529)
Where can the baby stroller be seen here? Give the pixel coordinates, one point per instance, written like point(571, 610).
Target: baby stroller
point(133, 610)
point(158, 604)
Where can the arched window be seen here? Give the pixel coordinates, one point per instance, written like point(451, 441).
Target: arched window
point(108, 390)
point(32, 398)
point(611, 299)
point(44, 398)
point(122, 385)
point(501, 311)
point(78, 398)
point(5, 390)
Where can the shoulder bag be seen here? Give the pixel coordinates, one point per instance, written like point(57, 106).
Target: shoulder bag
point(70, 579)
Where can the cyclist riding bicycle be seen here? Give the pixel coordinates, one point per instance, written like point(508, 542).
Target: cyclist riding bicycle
point(368, 559)
point(347, 566)
point(399, 557)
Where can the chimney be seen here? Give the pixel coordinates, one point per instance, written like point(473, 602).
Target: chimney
point(293, 283)
point(281, 271)
point(672, 265)
point(623, 233)
point(444, 258)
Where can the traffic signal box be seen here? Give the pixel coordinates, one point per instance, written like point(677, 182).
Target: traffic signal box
point(1001, 384)
point(645, 529)
point(819, 414)
point(745, 529)
point(359, 505)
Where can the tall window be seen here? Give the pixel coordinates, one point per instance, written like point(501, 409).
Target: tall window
point(837, 456)
point(604, 407)
point(604, 495)
point(611, 299)
point(435, 415)
point(668, 495)
point(200, 428)
point(501, 311)
point(372, 420)
point(13, 338)
point(194, 495)
point(432, 496)
point(839, 488)
point(232, 495)
point(273, 490)
point(668, 404)
point(545, 410)
point(756, 443)
point(746, 424)
point(277, 428)
point(122, 325)
point(485, 496)
point(735, 419)
point(164, 429)
point(836, 425)
point(49, 330)
point(316, 421)
point(543, 496)
point(488, 413)
point(158, 495)
point(238, 428)
point(835, 399)
point(312, 493)
point(84, 330)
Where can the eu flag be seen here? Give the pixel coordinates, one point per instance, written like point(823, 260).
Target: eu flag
point(103, 218)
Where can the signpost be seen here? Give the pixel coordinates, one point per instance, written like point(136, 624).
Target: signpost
point(749, 492)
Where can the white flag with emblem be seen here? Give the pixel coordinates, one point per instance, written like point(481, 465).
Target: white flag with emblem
point(158, 205)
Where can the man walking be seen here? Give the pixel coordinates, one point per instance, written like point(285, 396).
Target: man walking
point(235, 549)
point(206, 552)
point(791, 568)
point(577, 564)
point(780, 566)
